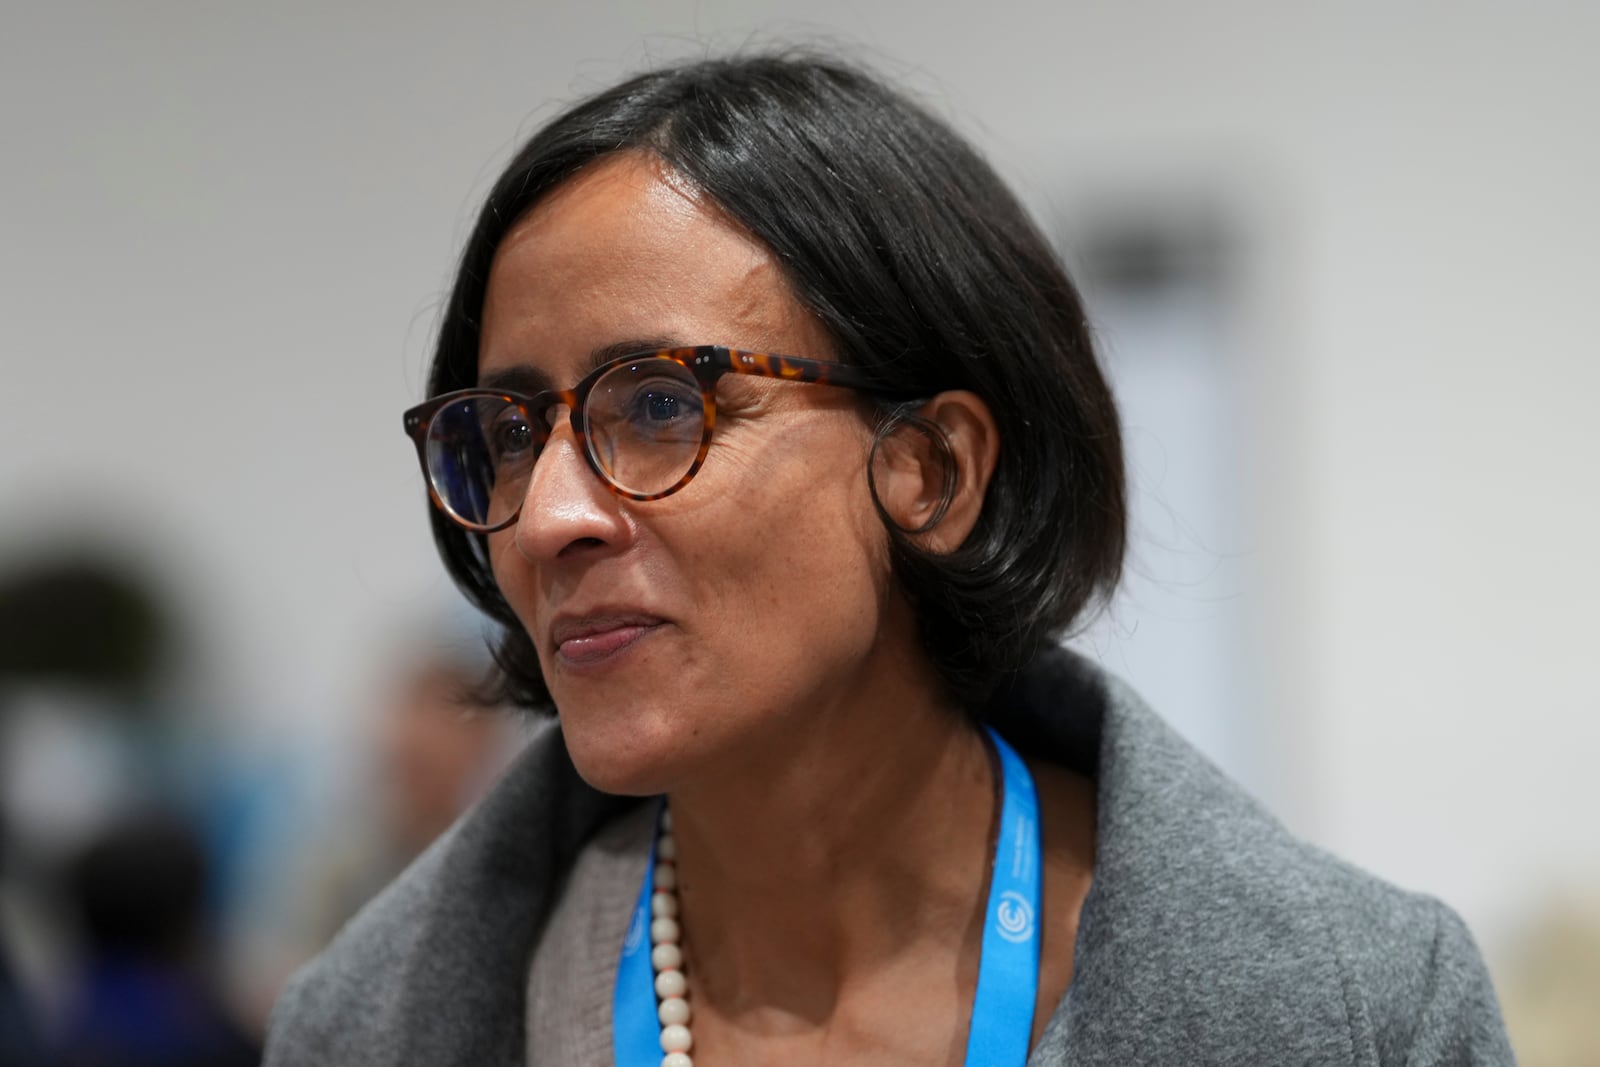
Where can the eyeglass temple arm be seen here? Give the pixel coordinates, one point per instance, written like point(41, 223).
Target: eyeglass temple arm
point(793, 368)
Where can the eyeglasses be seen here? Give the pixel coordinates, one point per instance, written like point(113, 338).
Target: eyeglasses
point(644, 422)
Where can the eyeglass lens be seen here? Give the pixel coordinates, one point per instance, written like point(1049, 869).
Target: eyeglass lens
point(643, 424)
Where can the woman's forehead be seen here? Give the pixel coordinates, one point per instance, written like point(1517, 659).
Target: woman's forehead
point(612, 191)
point(627, 249)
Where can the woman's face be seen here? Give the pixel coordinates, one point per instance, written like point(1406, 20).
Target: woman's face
point(678, 634)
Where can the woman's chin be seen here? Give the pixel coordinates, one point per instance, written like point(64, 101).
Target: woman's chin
point(622, 782)
point(626, 761)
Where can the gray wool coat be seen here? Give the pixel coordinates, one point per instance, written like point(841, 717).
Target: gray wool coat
point(1210, 935)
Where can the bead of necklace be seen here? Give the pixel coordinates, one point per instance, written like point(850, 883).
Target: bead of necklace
point(666, 952)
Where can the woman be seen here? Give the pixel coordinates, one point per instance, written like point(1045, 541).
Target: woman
point(769, 427)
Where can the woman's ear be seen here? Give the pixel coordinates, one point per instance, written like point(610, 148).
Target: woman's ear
point(931, 468)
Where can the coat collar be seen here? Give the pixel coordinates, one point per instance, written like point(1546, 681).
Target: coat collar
point(1200, 939)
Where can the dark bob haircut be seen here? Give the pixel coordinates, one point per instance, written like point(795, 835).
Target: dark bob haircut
point(926, 272)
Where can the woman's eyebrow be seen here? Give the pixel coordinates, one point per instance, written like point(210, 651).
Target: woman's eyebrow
point(528, 379)
point(618, 349)
point(522, 378)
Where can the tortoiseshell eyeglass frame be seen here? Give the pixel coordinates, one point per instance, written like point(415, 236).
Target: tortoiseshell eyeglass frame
point(707, 363)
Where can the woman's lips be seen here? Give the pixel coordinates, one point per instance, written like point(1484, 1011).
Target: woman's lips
point(594, 641)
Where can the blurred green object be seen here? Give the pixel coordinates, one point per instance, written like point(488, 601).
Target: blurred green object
point(81, 620)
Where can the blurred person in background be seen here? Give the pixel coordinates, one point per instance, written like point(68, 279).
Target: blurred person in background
point(433, 751)
point(770, 429)
point(112, 914)
point(76, 629)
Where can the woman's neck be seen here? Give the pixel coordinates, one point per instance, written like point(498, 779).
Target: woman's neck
point(832, 856)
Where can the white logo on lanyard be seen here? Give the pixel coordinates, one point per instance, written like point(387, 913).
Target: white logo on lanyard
point(1014, 917)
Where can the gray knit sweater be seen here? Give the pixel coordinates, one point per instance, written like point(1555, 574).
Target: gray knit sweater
point(1210, 936)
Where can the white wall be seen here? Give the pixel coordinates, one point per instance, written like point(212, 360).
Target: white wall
point(224, 230)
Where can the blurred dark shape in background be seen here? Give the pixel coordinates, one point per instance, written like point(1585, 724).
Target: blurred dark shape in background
point(1144, 247)
point(18, 1043)
point(138, 889)
point(83, 621)
point(144, 992)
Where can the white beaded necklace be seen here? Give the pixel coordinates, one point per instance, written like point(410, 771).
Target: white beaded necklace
point(666, 955)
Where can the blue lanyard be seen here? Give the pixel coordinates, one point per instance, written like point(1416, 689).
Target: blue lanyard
point(1008, 973)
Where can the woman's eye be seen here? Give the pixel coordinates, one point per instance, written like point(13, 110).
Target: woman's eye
point(660, 406)
point(662, 403)
point(512, 438)
point(516, 437)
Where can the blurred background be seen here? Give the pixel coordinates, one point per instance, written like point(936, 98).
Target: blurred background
point(1339, 258)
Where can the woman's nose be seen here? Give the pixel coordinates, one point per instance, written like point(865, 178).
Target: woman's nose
point(566, 508)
